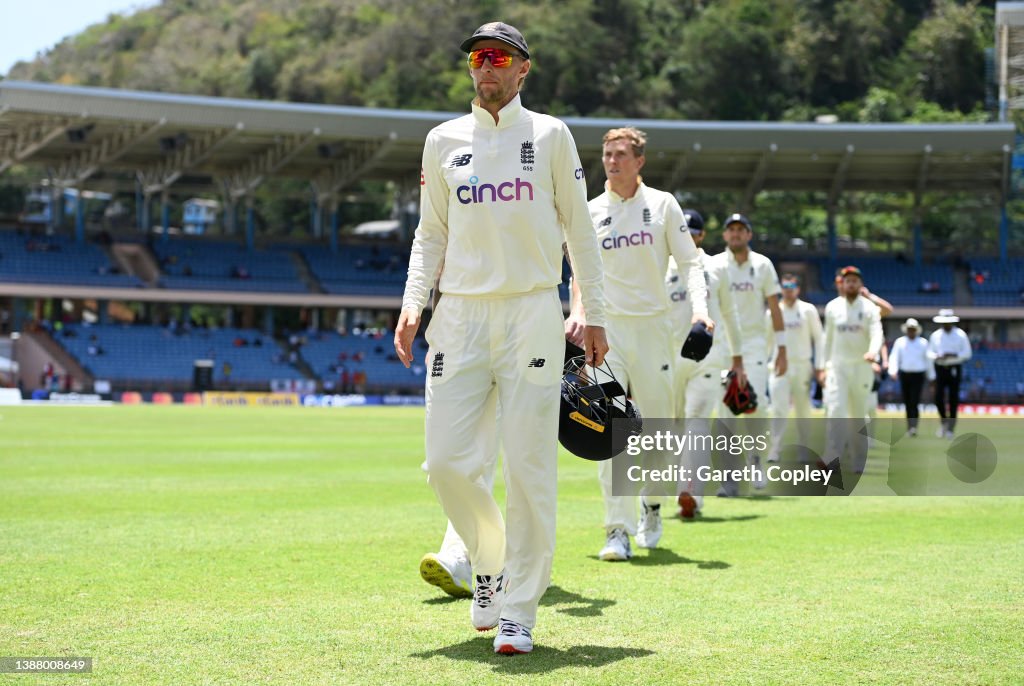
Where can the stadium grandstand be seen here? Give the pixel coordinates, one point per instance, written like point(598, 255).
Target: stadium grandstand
point(135, 308)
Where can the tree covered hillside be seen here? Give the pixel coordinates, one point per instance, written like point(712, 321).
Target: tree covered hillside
point(864, 60)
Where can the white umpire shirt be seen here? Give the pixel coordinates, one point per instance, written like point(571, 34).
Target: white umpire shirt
point(910, 355)
point(497, 201)
point(954, 341)
point(636, 236)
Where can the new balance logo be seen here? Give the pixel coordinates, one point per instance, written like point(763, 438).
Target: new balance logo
point(607, 221)
point(459, 160)
point(537, 362)
point(437, 368)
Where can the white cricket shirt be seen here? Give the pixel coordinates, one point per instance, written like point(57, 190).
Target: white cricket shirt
point(497, 201)
point(851, 329)
point(804, 334)
point(721, 308)
point(636, 236)
point(750, 284)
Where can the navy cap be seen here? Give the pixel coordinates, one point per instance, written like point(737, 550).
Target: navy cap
point(737, 217)
point(694, 221)
point(501, 31)
point(698, 343)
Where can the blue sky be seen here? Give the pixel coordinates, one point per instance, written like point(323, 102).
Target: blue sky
point(31, 26)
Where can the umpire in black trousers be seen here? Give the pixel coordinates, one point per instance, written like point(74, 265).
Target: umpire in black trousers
point(909, 362)
point(949, 348)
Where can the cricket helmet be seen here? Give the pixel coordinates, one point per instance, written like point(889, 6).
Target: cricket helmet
point(591, 400)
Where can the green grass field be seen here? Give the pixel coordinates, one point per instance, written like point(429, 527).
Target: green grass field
point(181, 545)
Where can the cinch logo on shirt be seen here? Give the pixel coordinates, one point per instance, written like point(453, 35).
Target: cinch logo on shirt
point(849, 328)
point(742, 287)
point(678, 296)
point(625, 240)
point(505, 191)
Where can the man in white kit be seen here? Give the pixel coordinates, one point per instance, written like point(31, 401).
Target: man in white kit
point(637, 228)
point(804, 353)
point(698, 384)
point(754, 284)
point(853, 336)
point(501, 190)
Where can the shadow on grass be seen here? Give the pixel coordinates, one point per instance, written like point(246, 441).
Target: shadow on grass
point(658, 557)
point(543, 659)
point(718, 520)
point(443, 600)
point(583, 606)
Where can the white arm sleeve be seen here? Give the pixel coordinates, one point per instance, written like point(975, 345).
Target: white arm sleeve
point(431, 238)
point(580, 237)
point(682, 247)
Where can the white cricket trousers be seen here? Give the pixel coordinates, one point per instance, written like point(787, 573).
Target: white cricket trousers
point(701, 395)
point(511, 347)
point(847, 388)
point(792, 389)
point(452, 546)
point(642, 358)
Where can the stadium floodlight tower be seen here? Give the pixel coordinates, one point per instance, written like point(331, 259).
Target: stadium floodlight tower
point(1010, 56)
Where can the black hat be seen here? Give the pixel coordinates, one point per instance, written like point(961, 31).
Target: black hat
point(694, 221)
point(737, 217)
point(501, 31)
point(698, 342)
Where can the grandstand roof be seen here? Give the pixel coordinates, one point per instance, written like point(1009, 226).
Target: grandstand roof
point(111, 137)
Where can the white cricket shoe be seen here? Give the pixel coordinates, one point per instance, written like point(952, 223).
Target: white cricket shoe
point(759, 481)
point(512, 638)
point(729, 489)
point(949, 434)
point(912, 431)
point(648, 530)
point(452, 575)
point(616, 547)
point(488, 600)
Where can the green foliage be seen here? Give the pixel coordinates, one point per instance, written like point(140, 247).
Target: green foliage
point(733, 59)
point(861, 60)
